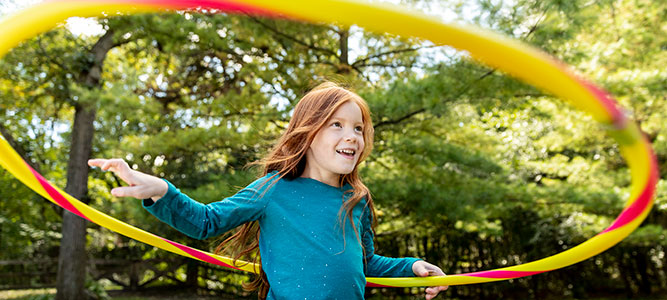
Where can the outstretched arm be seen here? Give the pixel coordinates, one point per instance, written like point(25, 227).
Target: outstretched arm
point(195, 219)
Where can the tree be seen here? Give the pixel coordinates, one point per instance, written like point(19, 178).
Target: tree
point(471, 168)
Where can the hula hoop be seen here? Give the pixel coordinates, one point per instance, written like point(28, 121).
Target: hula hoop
point(507, 55)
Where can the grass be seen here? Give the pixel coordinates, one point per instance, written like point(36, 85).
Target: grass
point(27, 294)
point(49, 294)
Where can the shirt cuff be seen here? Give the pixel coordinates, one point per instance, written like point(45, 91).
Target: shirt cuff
point(407, 272)
point(172, 191)
point(148, 202)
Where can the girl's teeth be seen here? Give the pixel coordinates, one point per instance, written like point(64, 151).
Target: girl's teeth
point(344, 152)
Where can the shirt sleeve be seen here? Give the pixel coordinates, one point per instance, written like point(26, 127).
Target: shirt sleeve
point(381, 266)
point(201, 221)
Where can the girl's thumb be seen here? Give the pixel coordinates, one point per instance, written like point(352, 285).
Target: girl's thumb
point(421, 270)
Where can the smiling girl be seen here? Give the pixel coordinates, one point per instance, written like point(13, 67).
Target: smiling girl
point(314, 213)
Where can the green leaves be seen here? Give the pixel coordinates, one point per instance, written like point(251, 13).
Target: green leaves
point(472, 169)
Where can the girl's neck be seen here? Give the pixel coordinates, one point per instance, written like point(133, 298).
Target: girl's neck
point(330, 179)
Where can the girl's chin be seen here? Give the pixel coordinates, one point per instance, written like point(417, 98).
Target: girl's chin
point(346, 171)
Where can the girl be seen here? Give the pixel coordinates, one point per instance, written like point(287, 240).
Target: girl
point(315, 215)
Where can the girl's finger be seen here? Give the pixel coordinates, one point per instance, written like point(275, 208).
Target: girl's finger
point(436, 271)
point(96, 162)
point(107, 165)
point(115, 165)
point(127, 191)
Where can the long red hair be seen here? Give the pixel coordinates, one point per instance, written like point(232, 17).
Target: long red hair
point(288, 158)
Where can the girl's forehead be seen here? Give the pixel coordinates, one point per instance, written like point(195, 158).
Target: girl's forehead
point(348, 110)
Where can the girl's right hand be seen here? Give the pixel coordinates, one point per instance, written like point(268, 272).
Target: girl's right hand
point(141, 185)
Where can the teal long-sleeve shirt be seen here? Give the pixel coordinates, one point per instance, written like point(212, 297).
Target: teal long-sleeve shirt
point(305, 253)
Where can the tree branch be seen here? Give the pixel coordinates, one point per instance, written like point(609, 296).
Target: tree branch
point(423, 109)
point(399, 120)
point(289, 37)
point(387, 65)
point(361, 62)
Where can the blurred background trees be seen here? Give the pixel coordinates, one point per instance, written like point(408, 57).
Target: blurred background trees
point(472, 169)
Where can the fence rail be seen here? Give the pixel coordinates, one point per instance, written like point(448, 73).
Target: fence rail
point(129, 274)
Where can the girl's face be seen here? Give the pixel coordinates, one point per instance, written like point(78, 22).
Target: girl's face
point(337, 147)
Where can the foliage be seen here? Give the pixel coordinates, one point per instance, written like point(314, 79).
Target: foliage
point(471, 169)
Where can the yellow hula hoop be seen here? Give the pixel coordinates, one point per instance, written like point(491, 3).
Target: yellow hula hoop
point(508, 55)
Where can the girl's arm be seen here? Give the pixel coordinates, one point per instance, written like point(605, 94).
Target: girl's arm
point(380, 266)
point(194, 219)
point(201, 221)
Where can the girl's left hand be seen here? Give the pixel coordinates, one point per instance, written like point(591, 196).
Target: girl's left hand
point(423, 269)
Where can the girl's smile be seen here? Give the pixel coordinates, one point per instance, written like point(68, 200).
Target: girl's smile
point(347, 153)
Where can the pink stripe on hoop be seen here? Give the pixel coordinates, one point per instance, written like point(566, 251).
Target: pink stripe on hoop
point(370, 284)
point(617, 116)
point(636, 208)
point(200, 255)
point(59, 198)
point(503, 274)
point(227, 6)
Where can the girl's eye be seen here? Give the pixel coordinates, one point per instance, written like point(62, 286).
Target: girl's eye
point(359, 129)
point(336, 124)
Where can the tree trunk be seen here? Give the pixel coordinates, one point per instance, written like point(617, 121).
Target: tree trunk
point(344, 34)
point(134, 276)
point(344, 67)
point(72, 257)
point(192, 274)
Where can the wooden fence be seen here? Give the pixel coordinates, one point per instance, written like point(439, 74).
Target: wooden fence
point(128, 274)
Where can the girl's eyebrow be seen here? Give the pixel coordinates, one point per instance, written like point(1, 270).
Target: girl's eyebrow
point(362, 124)
point(344, 119)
